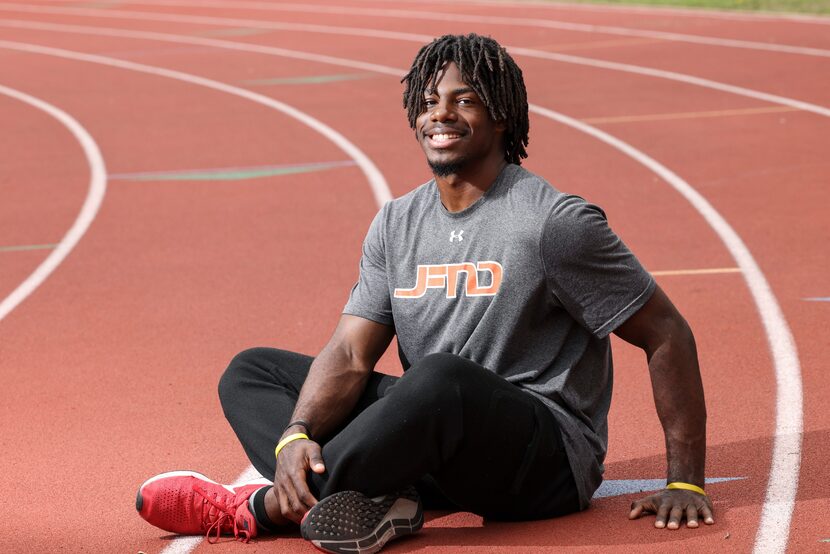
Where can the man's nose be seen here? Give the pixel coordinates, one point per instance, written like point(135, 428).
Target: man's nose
point(442, 112)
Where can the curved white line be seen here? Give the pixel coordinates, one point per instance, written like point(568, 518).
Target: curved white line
point(783, 479)
point(498, 20)
point(376, 180)
point(421, 39)
point(94, 197)
point(680, 77)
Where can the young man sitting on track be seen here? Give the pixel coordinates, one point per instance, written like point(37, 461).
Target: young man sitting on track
point(502, 292)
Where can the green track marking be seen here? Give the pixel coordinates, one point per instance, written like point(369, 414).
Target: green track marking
point(27, 247)
point(310, 79)
point(230, 174)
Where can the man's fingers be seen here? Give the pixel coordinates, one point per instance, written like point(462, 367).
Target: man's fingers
point(662, 515)
point(641, 507)
point(315, 459)
point(285, 505)
point(706, 512)
point(675, 516)
point(672, 507)
point(636, 510)
point(691, 516)
point(305, 500)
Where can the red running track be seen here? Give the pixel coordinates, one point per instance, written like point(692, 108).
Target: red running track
point(109, 368)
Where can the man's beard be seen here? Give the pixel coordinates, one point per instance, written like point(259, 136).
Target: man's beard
point(442, 169)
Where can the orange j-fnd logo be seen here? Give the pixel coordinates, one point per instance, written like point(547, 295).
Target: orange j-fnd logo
point(447, 276)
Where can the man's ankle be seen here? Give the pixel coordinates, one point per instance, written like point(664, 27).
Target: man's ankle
point(267, 518)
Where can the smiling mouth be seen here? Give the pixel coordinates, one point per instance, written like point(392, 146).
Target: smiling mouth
point(441, 140)
point(444, 136)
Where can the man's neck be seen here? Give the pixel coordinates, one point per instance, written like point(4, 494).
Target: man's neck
point(460, 190)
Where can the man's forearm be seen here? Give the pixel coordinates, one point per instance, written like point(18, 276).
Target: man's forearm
point(679, 399)
point(330, 392)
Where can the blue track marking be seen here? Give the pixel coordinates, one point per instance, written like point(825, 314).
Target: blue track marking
point(620, 487)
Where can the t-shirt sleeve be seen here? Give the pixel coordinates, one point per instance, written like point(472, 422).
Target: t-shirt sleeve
point(589, 270)
point(370, 295)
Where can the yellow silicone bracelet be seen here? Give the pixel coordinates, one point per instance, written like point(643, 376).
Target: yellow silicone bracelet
point(286, 440)
point(685, 486)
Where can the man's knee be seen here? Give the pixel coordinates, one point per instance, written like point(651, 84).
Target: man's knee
point(439, 375)
point(232, 377)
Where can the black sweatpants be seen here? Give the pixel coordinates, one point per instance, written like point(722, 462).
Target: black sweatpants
point(464, 436)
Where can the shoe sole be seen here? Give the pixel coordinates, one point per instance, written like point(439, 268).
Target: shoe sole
point(404, 517)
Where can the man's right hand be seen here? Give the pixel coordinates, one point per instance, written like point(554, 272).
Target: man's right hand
point(290, 485)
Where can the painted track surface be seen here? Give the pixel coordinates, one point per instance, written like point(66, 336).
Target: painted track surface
point(174, 277)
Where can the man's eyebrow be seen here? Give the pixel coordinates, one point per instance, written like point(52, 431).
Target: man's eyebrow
point(455, 92)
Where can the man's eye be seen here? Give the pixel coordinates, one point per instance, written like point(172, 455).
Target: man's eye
point(465, 101)
point(429, 102)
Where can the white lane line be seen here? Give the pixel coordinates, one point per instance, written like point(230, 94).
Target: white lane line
point(783, 478)
point(421, 39)
point(378, 184)
point(94, 197)
point(496, 20)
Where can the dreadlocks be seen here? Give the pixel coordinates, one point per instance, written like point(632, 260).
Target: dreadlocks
point(489, 70)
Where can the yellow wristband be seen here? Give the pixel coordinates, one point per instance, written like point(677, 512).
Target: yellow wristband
point(286, 440)
point(685, 486)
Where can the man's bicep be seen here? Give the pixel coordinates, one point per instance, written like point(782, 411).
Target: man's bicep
point(362, 340)
point(655, 322)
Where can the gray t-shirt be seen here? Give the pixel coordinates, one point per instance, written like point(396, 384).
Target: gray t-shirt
point(527, 282)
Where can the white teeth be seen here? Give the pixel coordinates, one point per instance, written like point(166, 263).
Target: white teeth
point(445, 136)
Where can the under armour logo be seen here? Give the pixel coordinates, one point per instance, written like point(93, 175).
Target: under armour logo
point(454, 235)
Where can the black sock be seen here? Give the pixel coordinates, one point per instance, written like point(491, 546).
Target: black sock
point(257, 503)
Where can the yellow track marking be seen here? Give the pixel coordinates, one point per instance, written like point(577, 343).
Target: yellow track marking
point(711, 271)
point(595, 44)
point(688, 115)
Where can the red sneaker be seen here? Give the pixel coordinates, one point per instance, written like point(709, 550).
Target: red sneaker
point(188, 503)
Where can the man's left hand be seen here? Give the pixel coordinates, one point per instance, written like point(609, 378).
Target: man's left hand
point(672, 506)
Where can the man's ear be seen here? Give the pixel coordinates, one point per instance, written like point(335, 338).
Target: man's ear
point(501, 126)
